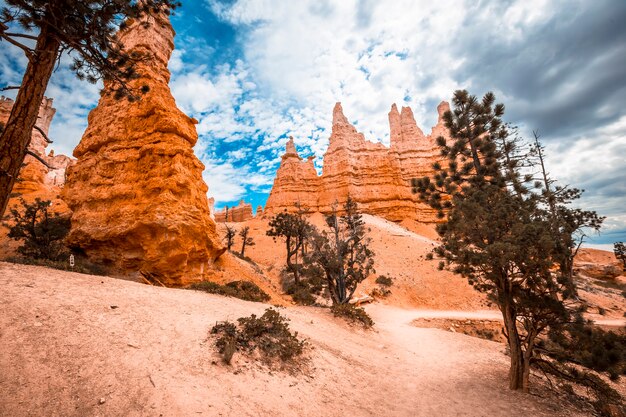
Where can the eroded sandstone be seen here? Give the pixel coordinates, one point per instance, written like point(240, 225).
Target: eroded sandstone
point(376, 177)
point(137, 192)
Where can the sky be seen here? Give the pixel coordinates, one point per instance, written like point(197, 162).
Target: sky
point(254, 72)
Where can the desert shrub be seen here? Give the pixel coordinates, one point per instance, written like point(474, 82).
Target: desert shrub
point(244, 290)
point(268, 334)
point(40, 231)
point(82, 265)
point(429, 256)
point(352, 314)
point(384, 281)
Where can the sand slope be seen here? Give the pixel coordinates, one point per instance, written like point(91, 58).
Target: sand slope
point(63, 348)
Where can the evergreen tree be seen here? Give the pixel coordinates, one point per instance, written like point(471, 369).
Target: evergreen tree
point(295, 229)
point(245, 239)
point(499, 232)
point(229, 236)
point(619, 249)
point(84, 28)
point(342, 252)
point(40, 231)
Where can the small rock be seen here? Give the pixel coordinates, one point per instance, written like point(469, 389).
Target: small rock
point(102, 401)
point(452, 330)
point(113, 307)
point(37, 324)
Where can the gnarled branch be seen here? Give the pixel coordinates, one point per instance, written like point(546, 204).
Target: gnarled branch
point(37, 157)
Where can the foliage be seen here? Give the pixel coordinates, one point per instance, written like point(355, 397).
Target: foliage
point(294, 229)
point(40, 231)
point(342, 252)
point(244, 290)
point(591, 347)
point(504, 230)
point(269, 334)
point(245, 240)
point(619, 249)
point(384, 281)
point(88, 32)
point(352, 314)
point(229, 236)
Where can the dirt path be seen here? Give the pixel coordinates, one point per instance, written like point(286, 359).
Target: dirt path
point(77, 345)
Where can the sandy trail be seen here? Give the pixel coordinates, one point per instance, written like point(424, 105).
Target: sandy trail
point(65, 351)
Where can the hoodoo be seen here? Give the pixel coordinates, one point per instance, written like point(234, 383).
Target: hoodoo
point(137, 192)
point(376, 177)
point(239, 213)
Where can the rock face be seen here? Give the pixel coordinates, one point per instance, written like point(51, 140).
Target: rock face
point(239, 213)
point(137, 193)
point(37, 180)
point(376, 177)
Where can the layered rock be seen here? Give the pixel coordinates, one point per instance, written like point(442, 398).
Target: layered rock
point(376, 177)
point(137, 192)
point(239, 213)
point(37, 179)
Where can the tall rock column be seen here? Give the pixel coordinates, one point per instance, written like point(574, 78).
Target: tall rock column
point(138, 198)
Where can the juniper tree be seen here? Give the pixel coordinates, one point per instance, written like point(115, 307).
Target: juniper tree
point(295, 229)
point(45, 30)
point(229, 236)
point(245, 239)
point(499, 232)
point(342, 252)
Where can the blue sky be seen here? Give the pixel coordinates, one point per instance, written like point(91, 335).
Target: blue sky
point(254, 72)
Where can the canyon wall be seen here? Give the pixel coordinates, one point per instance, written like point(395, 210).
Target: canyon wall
point(139, 201)
point(376, 177)
point(239, 213)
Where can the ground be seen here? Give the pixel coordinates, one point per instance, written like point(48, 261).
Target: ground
point(80, 345)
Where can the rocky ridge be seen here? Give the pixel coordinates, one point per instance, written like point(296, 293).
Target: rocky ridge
point(377, 177)
point(137, 193)
point(238, 213)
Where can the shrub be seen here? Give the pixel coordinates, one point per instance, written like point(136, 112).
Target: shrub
point(353, 314)
point(309, 286)
point(384, 281)
point(268, 334)
point(40, 231)
point(244, 290)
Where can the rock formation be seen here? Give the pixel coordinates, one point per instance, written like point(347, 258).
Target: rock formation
point(37, 180)
point(239, 213)
point(376, 177)
point(137, 193)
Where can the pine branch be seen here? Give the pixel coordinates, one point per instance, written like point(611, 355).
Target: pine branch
point(28, 51)
point(37, 157)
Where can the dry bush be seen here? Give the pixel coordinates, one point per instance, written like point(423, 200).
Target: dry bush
point(352, 314)
point(244, 290)
point(268, 334)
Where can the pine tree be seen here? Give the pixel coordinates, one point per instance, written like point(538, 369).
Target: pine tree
point(342, 252)
point(229, 236)
point(619, 249)
point(501, 231)
point(245, 239)
point(85, 28)
point(295, 229)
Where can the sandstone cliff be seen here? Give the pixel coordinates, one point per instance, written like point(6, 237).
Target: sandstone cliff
point(239, 213)
point(137, 192)
point(377, 177)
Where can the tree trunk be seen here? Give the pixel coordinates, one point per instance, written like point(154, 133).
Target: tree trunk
point(16, 136)
point(516, 371)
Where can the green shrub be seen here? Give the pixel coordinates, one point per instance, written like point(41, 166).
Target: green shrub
point(353, 314)
point(244, 290)
point(384, 281)
point(310, 285)
point(268, 334)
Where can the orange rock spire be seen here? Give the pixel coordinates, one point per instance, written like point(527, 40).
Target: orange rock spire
point(137, 191)
point(377, 177)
